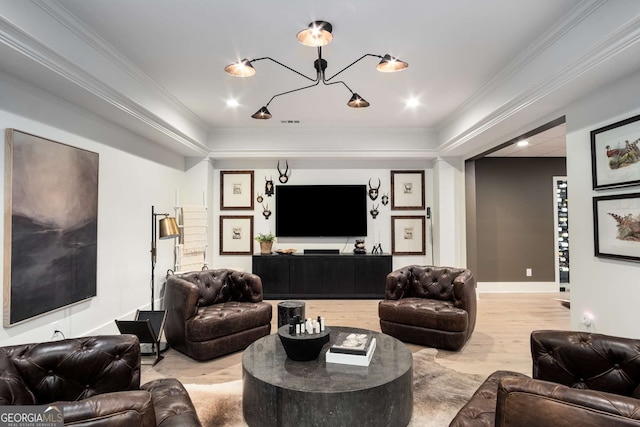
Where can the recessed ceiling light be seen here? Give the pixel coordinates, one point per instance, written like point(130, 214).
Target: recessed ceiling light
point(413, 102)
point(523, 143)
point(232, 103)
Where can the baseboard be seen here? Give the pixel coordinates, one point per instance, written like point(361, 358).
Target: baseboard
point(505, 287)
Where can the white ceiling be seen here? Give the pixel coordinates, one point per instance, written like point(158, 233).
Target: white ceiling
point(453, 49)
point(549, 143)
point(461, 53)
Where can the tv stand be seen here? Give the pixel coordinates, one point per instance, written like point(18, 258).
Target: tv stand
point(318, 276)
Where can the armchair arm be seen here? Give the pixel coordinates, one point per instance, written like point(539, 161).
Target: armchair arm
point(124, 408)
point(526, 402)
point(246, 287)
point(181, 303)
point(464, 292)
point(172, 403)
point(397, 285)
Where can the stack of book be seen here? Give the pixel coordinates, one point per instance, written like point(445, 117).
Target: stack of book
point(352, 349)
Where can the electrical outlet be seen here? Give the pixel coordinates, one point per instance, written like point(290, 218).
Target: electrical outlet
point(587, 319)
point(529, 272)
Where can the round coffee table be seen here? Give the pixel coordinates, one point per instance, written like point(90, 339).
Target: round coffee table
point(278, 391)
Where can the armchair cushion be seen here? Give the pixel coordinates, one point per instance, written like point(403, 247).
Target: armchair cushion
point(227, 318)
point(426, 313)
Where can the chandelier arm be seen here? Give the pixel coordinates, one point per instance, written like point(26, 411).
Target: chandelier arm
point(353, 63)
point(291, 91)
point(285, 66)
point(339, 81)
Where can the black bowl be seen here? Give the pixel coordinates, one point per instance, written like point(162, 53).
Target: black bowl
point(302, 347)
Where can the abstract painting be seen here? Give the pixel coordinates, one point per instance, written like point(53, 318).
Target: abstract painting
point(51, 226)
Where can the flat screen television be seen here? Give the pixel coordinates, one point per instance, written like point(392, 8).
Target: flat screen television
point(321, 210)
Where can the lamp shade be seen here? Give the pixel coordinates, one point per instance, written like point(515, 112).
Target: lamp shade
point(357, 101)
point(389, 64)
point(168, 228)
point(262, 114)
point(316, 35)
point(242, 68)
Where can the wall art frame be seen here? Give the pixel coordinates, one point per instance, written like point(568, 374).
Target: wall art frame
point(407, 190)
point(50, 226)
point(408, 235)
point(236, 234)
point(616, 223)
point(236, 190)
point(615, 155)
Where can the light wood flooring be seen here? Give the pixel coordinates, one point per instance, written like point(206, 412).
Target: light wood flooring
point(500, 339)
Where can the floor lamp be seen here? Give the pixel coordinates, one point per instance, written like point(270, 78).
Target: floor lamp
point(168, 229)
point(149, 324)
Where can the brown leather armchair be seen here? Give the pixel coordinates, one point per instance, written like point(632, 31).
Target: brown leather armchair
point(214, 312)
point(430, 306)
point(95, 381)
point(579, 379)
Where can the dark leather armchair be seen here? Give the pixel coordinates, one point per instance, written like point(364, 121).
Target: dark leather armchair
point(430, 306)
point(94, 381)
point(214, 312)
point(579, 379)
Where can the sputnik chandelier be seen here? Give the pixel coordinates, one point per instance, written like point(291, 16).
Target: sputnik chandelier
point(318, 34)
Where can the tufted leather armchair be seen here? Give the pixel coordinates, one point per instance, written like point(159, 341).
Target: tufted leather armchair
point(430, 306)
point(579, 379)
point(214, 312)
point(95, 381)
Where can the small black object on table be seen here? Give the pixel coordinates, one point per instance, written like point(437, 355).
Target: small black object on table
point(288, 310)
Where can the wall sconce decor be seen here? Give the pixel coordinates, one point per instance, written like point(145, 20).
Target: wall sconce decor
point(318, 34)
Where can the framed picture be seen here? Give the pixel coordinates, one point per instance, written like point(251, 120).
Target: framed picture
point(236, 235)
point(407, 190)
point(615, 155)
point(236, 190)
point(616, 222)
point(50, 226)
point(407, 235)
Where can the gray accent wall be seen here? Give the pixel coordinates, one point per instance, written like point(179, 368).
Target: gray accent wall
point(510, 224)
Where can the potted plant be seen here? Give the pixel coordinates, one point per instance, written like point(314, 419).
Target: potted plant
point(266, 242)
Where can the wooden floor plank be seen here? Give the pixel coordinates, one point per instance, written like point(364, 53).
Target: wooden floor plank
point(500, 339)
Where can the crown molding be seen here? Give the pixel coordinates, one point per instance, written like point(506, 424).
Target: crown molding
point(427, 154)
point(551, 36)
point(22, 42)
point(616, 42)
point(91, 38)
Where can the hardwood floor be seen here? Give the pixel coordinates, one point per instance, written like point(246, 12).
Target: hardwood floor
point(500, 339)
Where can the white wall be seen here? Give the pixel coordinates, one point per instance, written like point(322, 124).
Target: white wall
point(379, 229)
point(609, 289)
point(133, 175)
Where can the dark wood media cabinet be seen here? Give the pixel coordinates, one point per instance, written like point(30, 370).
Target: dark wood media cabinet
point(314, 276)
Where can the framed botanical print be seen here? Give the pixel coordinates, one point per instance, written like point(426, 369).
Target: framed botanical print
point(407, 190)
point(615, 155)
point(236, 234)
point(236, 190)
point(616, 222)
point(408, 235)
